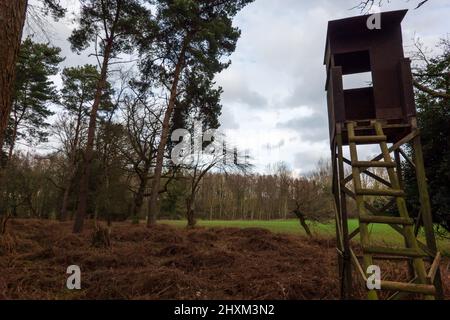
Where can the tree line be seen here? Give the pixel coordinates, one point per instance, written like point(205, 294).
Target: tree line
point(181, 45)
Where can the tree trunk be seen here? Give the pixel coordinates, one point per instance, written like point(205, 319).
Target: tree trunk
point(301, 218)
point(12, 19)
point(72, 165)
point(152, 205)
point(304, 225)
point(13, 142)
point(65, 203)
point(151, 212)
point(139, 199)
point(88, 153)
point(191, 222)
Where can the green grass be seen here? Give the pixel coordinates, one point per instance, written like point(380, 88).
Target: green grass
point(380, 233)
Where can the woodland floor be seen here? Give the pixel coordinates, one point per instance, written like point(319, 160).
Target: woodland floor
point(171, 263)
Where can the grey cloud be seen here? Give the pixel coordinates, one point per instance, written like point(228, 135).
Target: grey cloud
point(243, 94)
point(312, 93)
point(305, 160)
point(300, 123)
point(312, 129)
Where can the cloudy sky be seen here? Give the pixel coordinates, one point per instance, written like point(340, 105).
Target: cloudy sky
point(274, 99)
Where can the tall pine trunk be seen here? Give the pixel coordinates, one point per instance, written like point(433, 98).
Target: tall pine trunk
point(68, 187)
point(12, 19)
point(89, 150)
point(152, 205)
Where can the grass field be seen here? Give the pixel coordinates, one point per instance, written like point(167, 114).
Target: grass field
point(380, 233)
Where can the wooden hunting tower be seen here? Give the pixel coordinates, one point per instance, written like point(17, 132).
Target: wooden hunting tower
point(381, 113)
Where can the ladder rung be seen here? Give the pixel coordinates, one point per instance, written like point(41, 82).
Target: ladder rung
point(402, 252)
point(380, 192)
point(426, 289)
point(386, 220)
point(373, 164)
point(367, 139)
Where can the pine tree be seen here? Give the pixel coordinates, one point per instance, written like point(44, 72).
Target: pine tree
point(188, 36)
point(12, 20)
point(33, 92)
point(111, 26)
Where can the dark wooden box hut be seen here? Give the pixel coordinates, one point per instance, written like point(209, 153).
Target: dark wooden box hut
point(353, 48)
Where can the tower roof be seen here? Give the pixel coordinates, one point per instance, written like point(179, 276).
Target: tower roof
point(357, 26)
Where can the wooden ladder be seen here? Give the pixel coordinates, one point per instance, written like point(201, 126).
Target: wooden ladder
point(421, 284)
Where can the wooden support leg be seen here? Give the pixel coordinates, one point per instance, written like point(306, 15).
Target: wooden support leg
point(338, 222)
point(347, 263)
point(425, 205)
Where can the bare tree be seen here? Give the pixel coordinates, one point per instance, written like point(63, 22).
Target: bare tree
point(71, 133)
point(203, 159)
point(425, 73)
point(143, 126)
point(311, 196)
point(301, 217)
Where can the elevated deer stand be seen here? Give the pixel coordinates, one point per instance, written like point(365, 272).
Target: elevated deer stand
point(384, 114)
